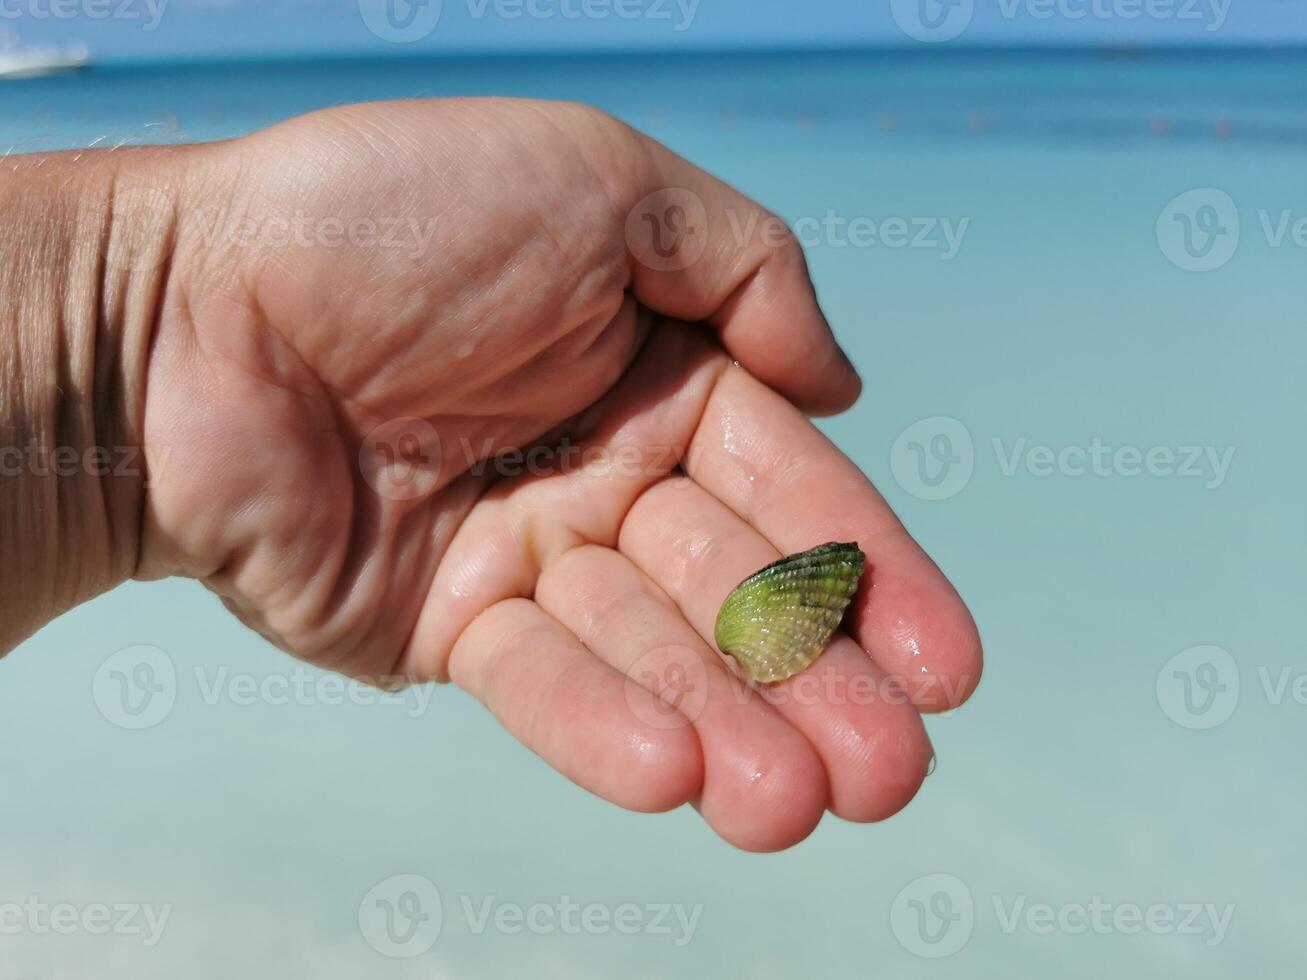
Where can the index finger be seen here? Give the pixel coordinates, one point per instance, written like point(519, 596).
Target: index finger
point(770, 465)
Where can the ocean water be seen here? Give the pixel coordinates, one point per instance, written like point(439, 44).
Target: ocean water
point(1084, 394)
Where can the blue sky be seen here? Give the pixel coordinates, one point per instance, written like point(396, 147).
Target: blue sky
point(167, 29)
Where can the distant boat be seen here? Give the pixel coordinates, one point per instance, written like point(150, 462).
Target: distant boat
point(17, 61)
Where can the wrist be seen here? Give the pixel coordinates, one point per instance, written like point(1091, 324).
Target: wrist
point(85, 248)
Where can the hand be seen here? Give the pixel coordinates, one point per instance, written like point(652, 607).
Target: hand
point(326, 407)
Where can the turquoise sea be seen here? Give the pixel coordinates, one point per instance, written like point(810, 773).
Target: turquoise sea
point(1084, 371)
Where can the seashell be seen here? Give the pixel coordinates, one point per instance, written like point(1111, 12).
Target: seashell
point(779, 620)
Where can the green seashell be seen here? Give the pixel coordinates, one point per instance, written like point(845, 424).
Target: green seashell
point(779, 620)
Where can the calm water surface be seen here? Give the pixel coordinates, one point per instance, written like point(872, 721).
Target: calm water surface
point(1100, 446)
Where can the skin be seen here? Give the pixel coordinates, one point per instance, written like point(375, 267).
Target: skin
point(320, 419)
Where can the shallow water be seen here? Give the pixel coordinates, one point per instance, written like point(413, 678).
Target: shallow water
point(1039, 317)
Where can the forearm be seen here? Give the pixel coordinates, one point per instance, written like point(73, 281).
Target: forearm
point(85, 242)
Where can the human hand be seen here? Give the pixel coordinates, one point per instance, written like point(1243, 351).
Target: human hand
point(326, 410)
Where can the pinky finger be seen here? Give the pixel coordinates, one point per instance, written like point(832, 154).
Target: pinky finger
point(572, 710)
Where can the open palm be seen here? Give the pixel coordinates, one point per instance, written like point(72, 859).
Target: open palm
point(337, 411)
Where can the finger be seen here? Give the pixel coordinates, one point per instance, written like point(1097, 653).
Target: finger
point(703, 252)
point(764, 787)
point(868, 734)
point(632, 437)
point(768, 463)
point(571, 709)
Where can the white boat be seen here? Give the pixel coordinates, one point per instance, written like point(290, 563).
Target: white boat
point(17, 61)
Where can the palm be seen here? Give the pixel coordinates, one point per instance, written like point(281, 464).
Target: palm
point(370, 389)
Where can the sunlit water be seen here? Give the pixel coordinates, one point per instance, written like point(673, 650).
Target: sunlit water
point(1111, 470)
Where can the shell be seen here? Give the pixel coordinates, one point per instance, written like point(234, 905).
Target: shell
point(779, 620)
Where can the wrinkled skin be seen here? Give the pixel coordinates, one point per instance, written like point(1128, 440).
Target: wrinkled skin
point(324, 414)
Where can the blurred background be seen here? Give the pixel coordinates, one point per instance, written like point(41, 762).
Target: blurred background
point(1065, 242)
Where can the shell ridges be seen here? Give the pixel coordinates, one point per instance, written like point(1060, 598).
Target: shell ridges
point(778, 621)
